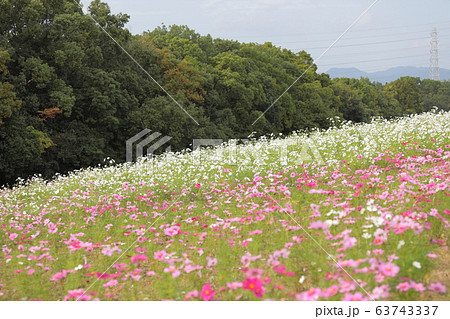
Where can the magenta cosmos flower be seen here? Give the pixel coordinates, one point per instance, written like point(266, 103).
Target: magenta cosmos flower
point(255, 285)
point(207, 293)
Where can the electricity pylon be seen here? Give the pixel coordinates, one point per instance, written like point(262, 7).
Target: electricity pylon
point(434, 58)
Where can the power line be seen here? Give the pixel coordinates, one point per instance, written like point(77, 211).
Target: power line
point(333, 33)
point(355, 38)
point(375, 60)
point(377, 52)
point(370, 43)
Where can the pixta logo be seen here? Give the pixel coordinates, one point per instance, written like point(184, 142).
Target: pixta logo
point(242, 152)
point(145, 140)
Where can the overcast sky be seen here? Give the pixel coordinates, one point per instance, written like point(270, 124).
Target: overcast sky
point(392, 33)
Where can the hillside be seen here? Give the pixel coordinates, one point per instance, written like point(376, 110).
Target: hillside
point(388, 75)
point(355, 212)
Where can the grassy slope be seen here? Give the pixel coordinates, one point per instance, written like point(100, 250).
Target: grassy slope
point(214, 197)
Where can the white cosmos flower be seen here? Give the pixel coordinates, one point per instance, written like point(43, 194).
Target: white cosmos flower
point(302, 279)
point(332, 212)
point(377, 221)
point(332, 222)
point(417, 264)
point(400, 244)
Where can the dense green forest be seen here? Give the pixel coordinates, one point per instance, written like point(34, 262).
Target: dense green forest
point(70, 97)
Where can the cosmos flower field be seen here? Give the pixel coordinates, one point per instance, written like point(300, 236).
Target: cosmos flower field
point(356, 212)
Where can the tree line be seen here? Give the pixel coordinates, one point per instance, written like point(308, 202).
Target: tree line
point(70, 97)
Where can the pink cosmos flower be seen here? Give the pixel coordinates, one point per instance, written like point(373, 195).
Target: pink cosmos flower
point(159, 255)
point(107, 251)
point(389, 269)
point(13, 236)
point(380, 292)
point(330, 291)
point(392, 257)
point(314, 207)
point(191, 294)
point(260, 217)
point(135, 275)
point(359, 186)
point(354, 297)
point(378, 241)
point(207, 293)
point(437, 287)
point(173, 270)
point(111, 283)
point(60, 275)
point(137, 258)
point(318, 225)
point(310, 295)
point(266, 280)
point(77, 294)
point(349, 263)
point(348, 242)
point(403, 286)
point(418, 286)
point(76, 245)
point(254, 272)
point(248, 258)
point(211, 262)
point(190, 268)
point(234, 285)
point(172, 231)
point(346, 285)
point(283, 253)
point(120, 266)
point(432, 256)
point(378, 251)
point(30, 271)
point(279, 269)
point(442, 186)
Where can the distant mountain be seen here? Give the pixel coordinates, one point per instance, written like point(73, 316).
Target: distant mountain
point(387, 75)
